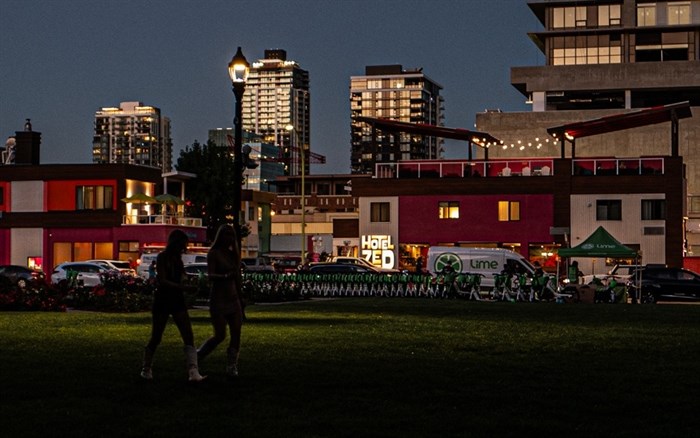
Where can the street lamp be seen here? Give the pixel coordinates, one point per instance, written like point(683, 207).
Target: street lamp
point(238, 71)
point(296, 144)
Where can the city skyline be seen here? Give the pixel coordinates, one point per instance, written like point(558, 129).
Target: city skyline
point(63, 61)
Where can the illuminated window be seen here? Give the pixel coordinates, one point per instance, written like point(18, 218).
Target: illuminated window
point(646, 14)
point(82, 251)
point(62, 252)
point(678, 13)
point(653, 209)
point(569, 17)
point(103, 250)
point(448, 210)
point(379, 212)
point(609, 15)
point(508, 211)
point(609, 210)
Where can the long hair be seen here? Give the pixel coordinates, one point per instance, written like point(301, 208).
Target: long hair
point(177, 242)
point(172, 255)
point(226, 239)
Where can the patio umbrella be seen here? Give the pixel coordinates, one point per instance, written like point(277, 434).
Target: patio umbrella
point(140, 198)
point(167, 198)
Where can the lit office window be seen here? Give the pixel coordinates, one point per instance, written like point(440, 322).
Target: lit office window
point(609, 210)
point(646, 14)
point(569, 17)
point(678, 13)
point(379, 212)
point(609, 15)
point(448, 210)
point(508, 211)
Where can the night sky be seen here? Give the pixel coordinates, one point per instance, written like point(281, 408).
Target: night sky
point(62, 60)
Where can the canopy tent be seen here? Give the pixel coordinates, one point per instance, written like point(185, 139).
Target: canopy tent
point(599, 244)
point(603, 244)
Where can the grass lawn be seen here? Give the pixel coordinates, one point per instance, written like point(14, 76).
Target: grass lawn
point(363, 367)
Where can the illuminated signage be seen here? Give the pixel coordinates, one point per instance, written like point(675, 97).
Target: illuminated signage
point(378, 250)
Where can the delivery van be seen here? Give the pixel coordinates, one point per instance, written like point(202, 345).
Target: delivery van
point(484, 261)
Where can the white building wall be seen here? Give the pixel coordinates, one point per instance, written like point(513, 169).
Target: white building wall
point(27, 196)
point(389, 229)
point(24, 243)
point(629, 230)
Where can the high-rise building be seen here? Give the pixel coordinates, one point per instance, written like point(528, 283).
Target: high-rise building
point(604, 58)
point(132, 134)
point(276, 105)
point(390, 92)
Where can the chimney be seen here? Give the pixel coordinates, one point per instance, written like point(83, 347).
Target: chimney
point(27, 146)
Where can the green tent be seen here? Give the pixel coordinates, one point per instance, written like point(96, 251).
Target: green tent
point(599, 244)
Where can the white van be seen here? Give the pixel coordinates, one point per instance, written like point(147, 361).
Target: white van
point(485, 261)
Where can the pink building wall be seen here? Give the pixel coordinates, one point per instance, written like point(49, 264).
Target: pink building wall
point(478, 220)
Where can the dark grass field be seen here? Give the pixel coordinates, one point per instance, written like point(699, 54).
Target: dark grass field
point(363, 367)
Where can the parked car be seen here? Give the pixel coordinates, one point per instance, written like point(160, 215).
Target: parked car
point(88, 274)
point(116, 265)
point(662, 283)
point(286, 265)
point(21, 276)
point(187, 258)
point(259, 264)
point(362, 262)
point(196, 269)
point(342, 268)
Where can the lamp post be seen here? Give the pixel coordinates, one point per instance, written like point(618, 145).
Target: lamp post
point(296, 144)
point(238, 72)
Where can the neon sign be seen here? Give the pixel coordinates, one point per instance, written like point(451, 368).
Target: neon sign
point(378, 250)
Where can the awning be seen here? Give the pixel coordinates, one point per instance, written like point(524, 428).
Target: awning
point(478, 138)
point(619, 122)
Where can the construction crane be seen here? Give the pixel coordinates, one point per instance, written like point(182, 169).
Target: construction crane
point(314, 158)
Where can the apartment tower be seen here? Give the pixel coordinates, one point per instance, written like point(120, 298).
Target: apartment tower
point(390, 92)
point(132, 134)
point(276, 105)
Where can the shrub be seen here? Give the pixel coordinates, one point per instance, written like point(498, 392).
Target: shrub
point(39, 296)
point(118, 293)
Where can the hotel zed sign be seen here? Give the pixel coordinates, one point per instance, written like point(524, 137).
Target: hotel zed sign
point(378, 250)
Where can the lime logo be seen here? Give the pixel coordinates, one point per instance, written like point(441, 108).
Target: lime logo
point(448, 257)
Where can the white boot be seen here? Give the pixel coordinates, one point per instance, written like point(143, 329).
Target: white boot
point(192, 368)
point(232, 363)
point(147, 367)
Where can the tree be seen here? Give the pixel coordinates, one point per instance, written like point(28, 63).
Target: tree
point(211, 193)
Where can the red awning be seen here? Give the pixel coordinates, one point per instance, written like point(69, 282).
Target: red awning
point(619, 122)
point(479, 138)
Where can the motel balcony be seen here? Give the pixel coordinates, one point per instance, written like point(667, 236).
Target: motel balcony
point(520, 167)
point(161, 219)
point(286, 204)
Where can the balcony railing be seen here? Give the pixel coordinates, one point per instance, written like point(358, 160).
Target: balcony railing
point(519, 167)
point(161, 219)
point(617, 166)
point(320, 202)
point(463, 169)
